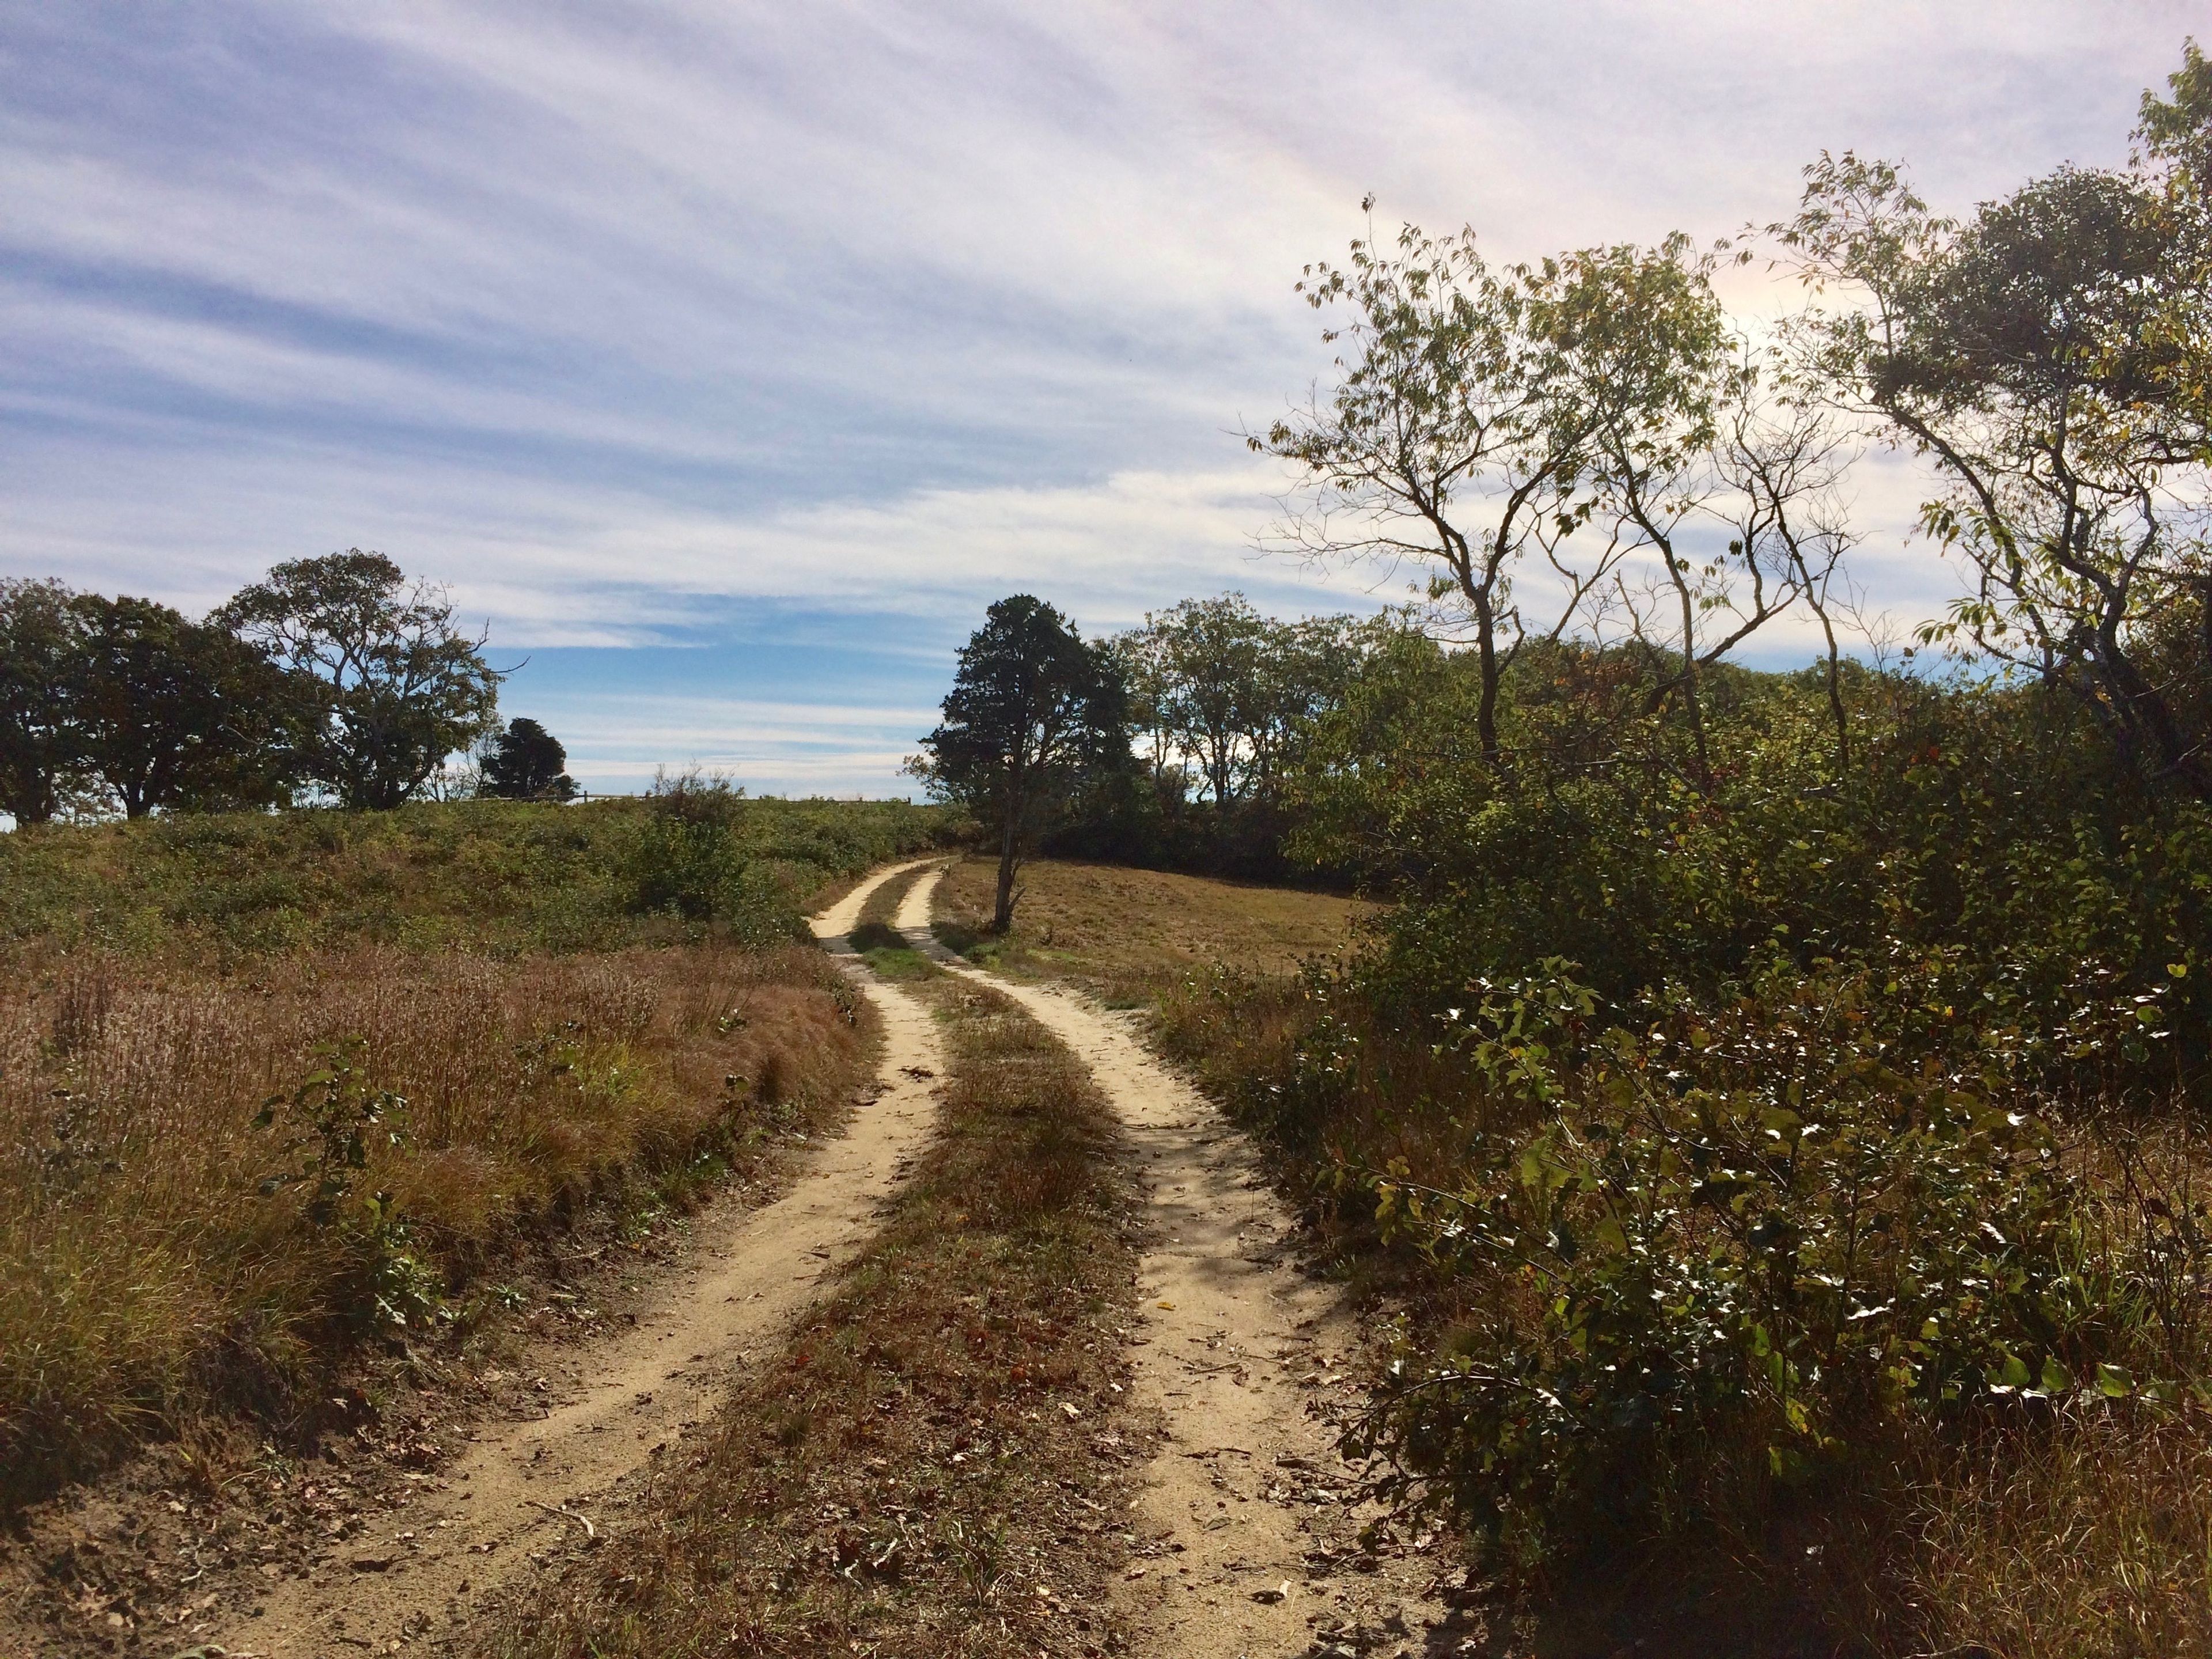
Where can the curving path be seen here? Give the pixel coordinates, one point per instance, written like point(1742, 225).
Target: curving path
point(1248, 1528)
point(472, 1530)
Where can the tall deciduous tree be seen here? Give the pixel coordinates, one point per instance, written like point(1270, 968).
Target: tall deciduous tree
point(1440, 443)
point(1481, 420)
point(1694, 455)
point(1034, 713)
point(2051, 355)
point(1212, 656)
point(1230, 695)
point(168, 713)
point(38, 636)
point(401, 687)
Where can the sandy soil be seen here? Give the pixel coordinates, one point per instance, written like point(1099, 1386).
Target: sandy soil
point(1250, 1531)
point(411, 1580)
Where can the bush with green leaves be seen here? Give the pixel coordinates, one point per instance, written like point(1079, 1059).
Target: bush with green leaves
point(1752, 1240)
point(331, 1123)
point(690, 858)
point(1980, 823)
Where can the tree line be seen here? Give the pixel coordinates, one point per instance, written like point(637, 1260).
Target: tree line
point(335, 679)
point(1172, 743)
point(1588, 447)
point(1607, 479)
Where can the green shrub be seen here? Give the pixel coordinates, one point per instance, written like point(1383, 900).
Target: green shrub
point(1754, 1241)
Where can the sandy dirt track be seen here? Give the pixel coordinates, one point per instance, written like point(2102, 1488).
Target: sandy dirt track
point(408, 1583)
point(1248, 1528)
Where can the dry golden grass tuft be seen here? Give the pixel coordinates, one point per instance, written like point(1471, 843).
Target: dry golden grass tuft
point(162, 1255)
point(933, 1465)
point(2093, 1540)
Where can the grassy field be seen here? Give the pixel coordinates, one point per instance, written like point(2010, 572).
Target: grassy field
point(1133, 936)
point(272, 1087)
point(919, 1471)
point(488, 875)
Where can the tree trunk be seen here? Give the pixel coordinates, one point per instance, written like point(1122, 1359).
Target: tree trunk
point(1486, 712)
point(1689, 681)
point(1836, 709)
point(2143, 709)
point(1010, 849)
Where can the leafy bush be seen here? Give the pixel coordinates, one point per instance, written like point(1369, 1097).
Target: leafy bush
point(698, 855)
point(1983, 825)
point(1750, 1240)
point(1768, 1156)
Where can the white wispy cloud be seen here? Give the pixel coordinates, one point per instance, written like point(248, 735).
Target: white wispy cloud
point(610, 315)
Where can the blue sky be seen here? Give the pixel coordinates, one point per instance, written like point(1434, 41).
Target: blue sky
point(727, 359)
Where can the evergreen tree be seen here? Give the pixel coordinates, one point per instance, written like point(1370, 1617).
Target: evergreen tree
point(526, 763)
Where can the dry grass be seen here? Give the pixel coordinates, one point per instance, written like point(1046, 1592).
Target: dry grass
point(1131, 936)
point(2091, 1541)
point(931, 1468)
point(161, 1255)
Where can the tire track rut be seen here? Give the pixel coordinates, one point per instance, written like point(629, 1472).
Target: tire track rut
point(1249, 1527)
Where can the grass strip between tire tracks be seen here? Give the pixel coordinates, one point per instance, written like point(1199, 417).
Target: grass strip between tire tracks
point(939, 1460)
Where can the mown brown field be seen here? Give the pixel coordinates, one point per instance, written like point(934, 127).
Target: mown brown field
point(1132, 935)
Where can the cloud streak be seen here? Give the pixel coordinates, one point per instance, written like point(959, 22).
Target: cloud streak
point(629, 320)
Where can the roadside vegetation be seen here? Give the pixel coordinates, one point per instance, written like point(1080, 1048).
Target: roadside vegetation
point(1779, 1096)
point(275, 1087)
point(1859, 1266)
point(693, 860)
point(933, 1464)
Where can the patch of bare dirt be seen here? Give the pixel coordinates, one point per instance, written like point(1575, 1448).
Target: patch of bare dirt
point(1252, 1538)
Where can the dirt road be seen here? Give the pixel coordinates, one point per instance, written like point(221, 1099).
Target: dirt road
point(1249, 1536)
point(410, 1581)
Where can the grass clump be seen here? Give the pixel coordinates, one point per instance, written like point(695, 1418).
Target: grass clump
point(920, 1467)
